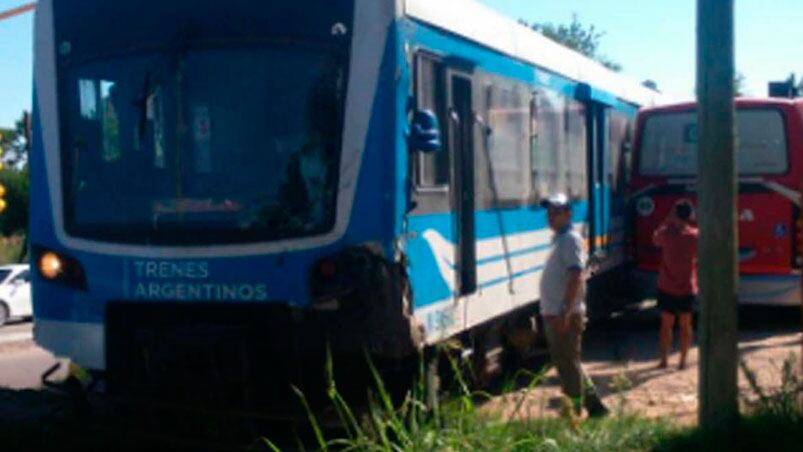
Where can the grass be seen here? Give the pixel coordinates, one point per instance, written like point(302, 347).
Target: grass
point(774, 421)
point(458, 424)
point(756, 432)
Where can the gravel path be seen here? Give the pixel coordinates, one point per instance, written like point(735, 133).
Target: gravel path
point(623, 364)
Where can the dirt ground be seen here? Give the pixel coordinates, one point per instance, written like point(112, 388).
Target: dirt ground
point(621, 358)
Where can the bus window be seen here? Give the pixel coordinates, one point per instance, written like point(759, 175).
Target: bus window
point(669, 143)
point(508, 110)
point(762, 142)
point(433, 168)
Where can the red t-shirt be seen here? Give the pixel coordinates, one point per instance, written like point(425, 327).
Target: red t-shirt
point(678, 273)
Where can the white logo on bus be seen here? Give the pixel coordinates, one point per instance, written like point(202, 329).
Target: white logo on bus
point(645, 206)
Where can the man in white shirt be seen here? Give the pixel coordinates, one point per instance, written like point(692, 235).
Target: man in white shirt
point(563, 306)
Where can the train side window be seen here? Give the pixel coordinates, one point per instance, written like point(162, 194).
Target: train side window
point(548, 142)
point(576, 150)
point(618, 164)
point(432, 170)
point(508, 113)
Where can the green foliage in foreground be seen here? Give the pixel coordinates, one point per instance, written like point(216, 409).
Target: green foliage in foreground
point(458, 424)
point(473, 433)
point(763, 431)
point(775, 421)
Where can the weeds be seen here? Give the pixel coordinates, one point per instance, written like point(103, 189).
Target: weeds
point(458, 423)
point(783, 402)
point(773, 420)
point(620, 385)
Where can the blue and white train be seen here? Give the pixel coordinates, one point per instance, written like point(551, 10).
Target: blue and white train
point(218, 181)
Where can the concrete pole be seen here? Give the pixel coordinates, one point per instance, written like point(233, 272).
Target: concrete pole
point(717, 215)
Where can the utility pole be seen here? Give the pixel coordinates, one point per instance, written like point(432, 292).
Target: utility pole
point(717, 192)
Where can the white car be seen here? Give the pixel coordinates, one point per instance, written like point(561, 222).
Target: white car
point(15, 293)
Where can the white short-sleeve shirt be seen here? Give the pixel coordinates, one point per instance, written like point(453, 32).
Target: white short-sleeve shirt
point(568, 255)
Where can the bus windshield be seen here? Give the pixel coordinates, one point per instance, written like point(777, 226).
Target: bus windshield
point(669, 144)
point(203, 146)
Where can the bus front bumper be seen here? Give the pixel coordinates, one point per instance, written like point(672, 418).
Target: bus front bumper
point(760, 290)
point(83, 343)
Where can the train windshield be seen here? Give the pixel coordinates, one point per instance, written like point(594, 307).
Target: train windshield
point(203, 146)
point(669, 144)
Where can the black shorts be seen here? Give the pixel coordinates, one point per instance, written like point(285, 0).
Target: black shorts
point(673, 304)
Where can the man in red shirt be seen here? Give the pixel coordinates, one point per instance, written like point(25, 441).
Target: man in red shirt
point(677, 278)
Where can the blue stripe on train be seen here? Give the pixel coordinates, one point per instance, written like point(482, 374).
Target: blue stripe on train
point(427, 281)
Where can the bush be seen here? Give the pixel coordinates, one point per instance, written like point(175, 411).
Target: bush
point(11, 249)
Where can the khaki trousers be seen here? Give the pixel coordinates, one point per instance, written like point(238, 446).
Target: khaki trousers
point(565, 349)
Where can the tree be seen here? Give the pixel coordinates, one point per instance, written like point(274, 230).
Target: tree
point(15, 178)
point(576, 36)
point(14, 145)
point(738, 84)
point(14, 220)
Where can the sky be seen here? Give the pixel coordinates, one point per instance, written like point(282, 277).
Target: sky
point(652, 39)
point(16, 62)
point(655, 39)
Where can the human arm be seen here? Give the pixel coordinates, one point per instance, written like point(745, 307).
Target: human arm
point(659, 236)
point(574, 258)
point(573, 285)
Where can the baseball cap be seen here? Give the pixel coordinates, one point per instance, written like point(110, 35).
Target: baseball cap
point(556, 201)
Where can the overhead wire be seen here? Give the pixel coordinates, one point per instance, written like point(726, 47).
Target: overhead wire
point(18, 11)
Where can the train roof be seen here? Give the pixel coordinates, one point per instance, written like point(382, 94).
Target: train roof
point(485, 26)
point(740, 102)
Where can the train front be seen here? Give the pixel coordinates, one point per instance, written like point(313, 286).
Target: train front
point(198, 169)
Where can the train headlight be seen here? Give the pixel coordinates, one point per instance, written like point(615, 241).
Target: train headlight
point(58, 268)
point(51, 266)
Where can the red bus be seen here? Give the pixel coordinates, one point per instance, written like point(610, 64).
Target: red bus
point(770, 166)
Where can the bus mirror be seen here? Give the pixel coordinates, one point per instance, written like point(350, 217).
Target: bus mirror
point(425, 132)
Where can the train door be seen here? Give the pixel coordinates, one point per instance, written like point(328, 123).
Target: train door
point(461, 147)
point(599, 202)
point(441, 238)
